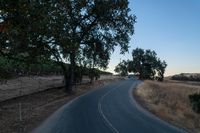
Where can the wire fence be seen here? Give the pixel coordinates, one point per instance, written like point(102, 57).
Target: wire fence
point(30, 84)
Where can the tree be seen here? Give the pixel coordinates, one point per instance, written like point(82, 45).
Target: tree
point(122, 68)
point(23, 24)
point(161, 66)
point(137, 62)
point(63, 30)
point(147, 65)
point(95, 56)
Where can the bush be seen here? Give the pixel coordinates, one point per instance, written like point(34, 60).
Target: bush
point(195, 102)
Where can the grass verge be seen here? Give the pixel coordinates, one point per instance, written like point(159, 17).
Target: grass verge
point(170, 101)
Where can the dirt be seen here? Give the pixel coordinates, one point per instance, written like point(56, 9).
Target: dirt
point(35, 108)
point(169, 101)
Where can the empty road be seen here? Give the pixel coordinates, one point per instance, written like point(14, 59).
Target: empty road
point(109, 109)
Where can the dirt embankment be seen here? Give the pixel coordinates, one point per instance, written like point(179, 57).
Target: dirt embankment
point(36, 107)
point(169, 101)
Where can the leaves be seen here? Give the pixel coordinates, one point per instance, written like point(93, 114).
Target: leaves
point(65, 30)
point(147, 64)
point(144, 63)
point(122, 68)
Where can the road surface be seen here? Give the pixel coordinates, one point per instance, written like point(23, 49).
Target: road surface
point(109, 109)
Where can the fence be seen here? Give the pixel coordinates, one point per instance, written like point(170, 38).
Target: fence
point(28, 85)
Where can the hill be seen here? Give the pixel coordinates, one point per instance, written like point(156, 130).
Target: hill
point(187, 77)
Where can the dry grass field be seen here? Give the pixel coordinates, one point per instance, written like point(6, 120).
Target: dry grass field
point(169, 101)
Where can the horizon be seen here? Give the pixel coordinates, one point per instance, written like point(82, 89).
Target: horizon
point(171, 29)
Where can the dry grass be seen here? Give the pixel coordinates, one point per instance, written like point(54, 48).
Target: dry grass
point(169, 100)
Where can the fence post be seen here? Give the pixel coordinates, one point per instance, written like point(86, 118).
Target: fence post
point(20, 104)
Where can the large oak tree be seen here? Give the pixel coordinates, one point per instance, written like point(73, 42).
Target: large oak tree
point(64, 30)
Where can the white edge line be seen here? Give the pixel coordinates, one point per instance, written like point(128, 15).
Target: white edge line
point(57, 112)
point(109, 124)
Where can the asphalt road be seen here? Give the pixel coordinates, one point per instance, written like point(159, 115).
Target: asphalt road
point(110, 109)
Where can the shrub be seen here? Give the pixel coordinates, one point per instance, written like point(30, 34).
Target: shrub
point(195, 102)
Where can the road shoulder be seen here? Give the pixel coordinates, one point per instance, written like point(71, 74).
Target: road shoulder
point(168, 101)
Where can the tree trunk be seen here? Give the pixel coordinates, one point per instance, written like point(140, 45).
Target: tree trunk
point(92, 71)
point(66, 81)
point(71, 71)
point(141, 73)
point(65, 73)
point(91, 77)
point(69, 74)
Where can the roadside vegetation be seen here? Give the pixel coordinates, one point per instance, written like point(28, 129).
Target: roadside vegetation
point(195, 101)
point(194, 98)
point(144, 64)
point(11, 68)
point(170, 101)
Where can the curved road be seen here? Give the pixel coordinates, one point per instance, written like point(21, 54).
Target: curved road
point(110, 109)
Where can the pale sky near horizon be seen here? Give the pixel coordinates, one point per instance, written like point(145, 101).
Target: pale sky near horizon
point(171, 28)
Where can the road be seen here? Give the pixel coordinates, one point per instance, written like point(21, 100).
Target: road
point(109, 109)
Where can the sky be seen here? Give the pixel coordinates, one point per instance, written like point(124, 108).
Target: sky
point(171, 28)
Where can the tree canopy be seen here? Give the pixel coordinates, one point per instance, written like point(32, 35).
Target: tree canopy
point(147, 64)
point(122, 68)
point(144, 63)
point(65, 30)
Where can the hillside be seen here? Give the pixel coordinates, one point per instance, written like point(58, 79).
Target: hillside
point(187, 76)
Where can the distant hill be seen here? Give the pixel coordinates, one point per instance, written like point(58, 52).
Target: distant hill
point(187, 77)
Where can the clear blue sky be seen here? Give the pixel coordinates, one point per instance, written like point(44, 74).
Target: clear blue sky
point(171, 28)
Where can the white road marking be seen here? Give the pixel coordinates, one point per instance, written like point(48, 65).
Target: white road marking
point(103, 115)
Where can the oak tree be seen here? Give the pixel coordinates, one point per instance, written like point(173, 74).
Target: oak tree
point(62, 30)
